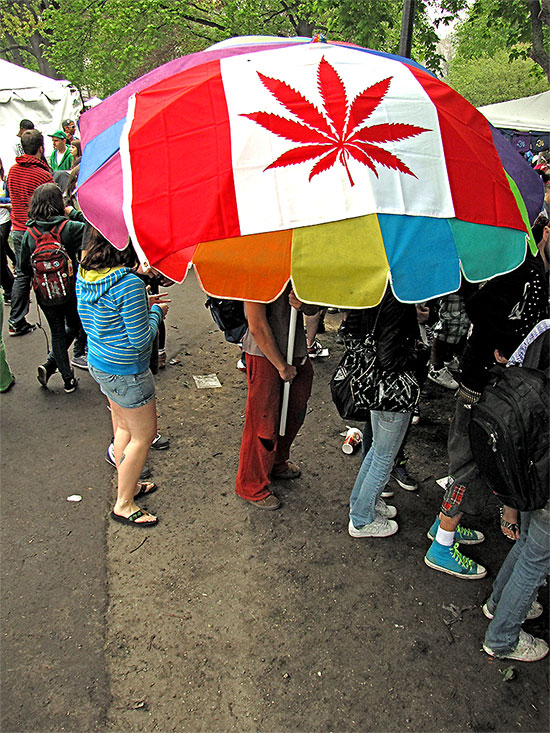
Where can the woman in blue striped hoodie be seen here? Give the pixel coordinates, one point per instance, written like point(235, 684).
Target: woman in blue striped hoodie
point(121, 321)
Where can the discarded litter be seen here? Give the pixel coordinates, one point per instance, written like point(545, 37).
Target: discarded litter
point(508, 673)
point(207, 381)
point(74, 497)
point(173, 362)
point(444, 482)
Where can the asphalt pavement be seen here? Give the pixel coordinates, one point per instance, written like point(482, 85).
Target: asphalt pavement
point(54, 578)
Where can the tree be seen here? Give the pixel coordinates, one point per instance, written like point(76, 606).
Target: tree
point(101, 45)
point(24, 37)
point(523, 26)
point(497, 78)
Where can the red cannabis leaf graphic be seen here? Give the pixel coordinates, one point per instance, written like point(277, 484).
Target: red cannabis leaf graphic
point(339, 132)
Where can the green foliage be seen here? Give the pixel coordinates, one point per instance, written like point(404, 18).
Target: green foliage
point(486, 80)
point(101, 45)
point(494, 25)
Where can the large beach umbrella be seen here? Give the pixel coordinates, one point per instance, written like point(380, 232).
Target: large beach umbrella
point(342, 169)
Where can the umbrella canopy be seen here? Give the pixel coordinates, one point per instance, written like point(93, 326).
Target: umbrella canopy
point(335, 166)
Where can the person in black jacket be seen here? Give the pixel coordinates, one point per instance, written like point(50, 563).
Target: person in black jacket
point(502, 312)
point(46, 211)
point(395, 329)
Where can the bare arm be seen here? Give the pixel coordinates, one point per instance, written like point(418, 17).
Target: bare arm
point(263, 336)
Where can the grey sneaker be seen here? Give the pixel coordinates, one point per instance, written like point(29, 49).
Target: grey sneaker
point(110, 458)
point(385, 510)
point(528, 649)
point(80, 361)
point(443, 377)
point(160, 443)
point(534, 612)
point(381, 527)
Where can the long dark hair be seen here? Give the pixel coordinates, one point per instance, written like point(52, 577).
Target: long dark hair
point(538, 227)
point(99, 254)
point(69, 195)
point(46, 202)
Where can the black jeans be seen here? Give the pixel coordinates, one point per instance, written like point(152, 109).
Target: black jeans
point(64, 323)
point(6, 276)
point(468, 492)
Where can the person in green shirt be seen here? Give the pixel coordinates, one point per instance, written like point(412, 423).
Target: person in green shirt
point(61, 158)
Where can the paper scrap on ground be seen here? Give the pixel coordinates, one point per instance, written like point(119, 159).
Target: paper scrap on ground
point(74, 497)
point(206, 381)
point(444, 482)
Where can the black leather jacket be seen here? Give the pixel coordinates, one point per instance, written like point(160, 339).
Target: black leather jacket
point(396, 332)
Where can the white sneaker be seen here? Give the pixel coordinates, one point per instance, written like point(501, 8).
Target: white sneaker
point(387, 493)
point(443, 377)
point(385, 510)
point(381, 527)
point(528, 649)
point(534, 612)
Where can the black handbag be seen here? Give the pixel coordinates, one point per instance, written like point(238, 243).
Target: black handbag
point(355, 379)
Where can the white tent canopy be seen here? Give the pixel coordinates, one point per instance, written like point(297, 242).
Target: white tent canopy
point(26, 94)
point(529, 114)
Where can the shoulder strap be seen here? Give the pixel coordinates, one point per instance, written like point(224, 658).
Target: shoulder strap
point(34, 232)
point(60, 228)
point(533, 353)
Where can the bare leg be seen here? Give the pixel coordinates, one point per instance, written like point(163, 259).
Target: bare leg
point(312, 324)
point(134, 430)
point(509, 522)
point(449, 524)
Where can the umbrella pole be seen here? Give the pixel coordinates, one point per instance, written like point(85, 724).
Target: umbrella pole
point(289, 359)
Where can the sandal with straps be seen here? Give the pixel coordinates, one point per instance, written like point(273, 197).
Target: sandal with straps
point(145, 488)
point(131, 520)
point(510, 526)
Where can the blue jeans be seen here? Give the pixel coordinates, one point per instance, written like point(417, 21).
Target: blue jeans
point(516, 585)
point(388, 430)
point(20, 290)
point(127, 390)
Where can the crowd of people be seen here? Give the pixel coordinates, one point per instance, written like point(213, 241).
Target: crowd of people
point(114, 316)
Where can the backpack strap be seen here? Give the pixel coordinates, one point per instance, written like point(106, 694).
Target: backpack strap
point(34, 232)
point(60, 228)
point(533, 353)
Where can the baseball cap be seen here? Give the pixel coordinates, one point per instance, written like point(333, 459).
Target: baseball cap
point(58, 133)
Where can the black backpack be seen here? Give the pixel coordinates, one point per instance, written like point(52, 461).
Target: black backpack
point(229, 317)
point(509, 435)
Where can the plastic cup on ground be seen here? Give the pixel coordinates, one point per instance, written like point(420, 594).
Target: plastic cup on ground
point(353, 439)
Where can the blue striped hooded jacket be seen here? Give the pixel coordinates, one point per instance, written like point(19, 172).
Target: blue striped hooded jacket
point(114, 312)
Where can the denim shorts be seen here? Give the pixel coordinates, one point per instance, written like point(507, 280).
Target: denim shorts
point(126, 390)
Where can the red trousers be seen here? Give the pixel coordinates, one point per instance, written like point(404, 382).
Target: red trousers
point(262, 447)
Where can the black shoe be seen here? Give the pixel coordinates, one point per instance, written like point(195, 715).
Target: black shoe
point(45, 371)
point(160, 443)
point(21, 329)
point(109, 457)
point(69, 385)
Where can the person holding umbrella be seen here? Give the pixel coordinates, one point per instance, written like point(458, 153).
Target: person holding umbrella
point(264, 453)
